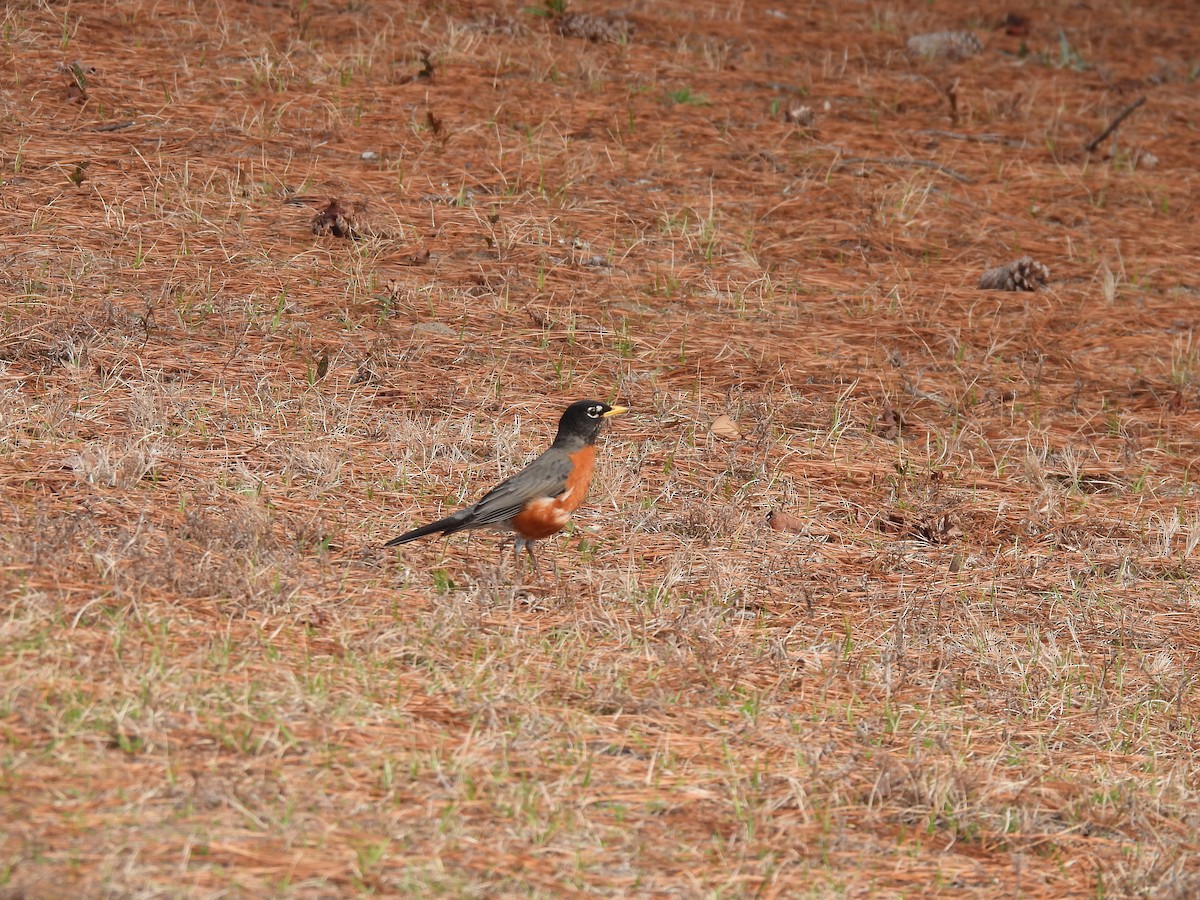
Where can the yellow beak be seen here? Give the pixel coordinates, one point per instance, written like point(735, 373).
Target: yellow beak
point(615, 411)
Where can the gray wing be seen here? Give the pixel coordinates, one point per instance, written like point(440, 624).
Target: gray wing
point(546, 476)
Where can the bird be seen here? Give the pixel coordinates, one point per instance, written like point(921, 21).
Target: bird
point(536, 502)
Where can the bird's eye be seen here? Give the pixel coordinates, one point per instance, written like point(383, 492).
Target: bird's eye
point(594, 412)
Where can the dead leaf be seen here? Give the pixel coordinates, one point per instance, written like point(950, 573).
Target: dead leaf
point(783, 521)
point(434, 123)
point(890, 423)
point(725, 428)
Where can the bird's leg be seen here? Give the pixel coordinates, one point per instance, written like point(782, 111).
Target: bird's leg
point(519, 543)
point(537, 569)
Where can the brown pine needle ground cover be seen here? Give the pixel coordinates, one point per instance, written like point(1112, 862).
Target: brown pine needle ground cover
point(281, 281)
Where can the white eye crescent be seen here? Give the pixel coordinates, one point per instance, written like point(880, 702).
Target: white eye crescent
point(594, 411)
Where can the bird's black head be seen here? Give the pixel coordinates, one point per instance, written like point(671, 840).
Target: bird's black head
point(581, 422)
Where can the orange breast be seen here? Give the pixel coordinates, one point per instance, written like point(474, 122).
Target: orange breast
point(544, 517)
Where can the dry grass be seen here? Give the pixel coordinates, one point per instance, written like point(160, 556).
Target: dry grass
point(972, 671)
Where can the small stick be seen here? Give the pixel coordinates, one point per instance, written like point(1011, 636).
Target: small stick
point(116, 126)
point(977, 138)
point(1112, 126)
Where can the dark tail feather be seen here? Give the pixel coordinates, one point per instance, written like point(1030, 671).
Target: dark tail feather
point(448, 525)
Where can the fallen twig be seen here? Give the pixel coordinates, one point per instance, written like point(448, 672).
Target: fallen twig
point(976, 138)
point(116, 126)
point(1114, 124)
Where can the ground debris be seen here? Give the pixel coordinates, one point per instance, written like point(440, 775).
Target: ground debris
point(855, 165)
point(1114, 124)
point(498, 24)
point(425, 74)
point(800, 115)
point(339, 218)
point(949, 45)
point(725, 428)
point(890, 424)
point(598, 29)
point(938, 527)
point(1016, 24)
point(785, 521)
point(1024, 274)
point(348, 219)
point(77, 73)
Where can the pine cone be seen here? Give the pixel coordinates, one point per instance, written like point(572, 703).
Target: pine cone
point(339, 218)
point(498, 24)
point(1024, 274)
point(594, 28)
point(944, 45)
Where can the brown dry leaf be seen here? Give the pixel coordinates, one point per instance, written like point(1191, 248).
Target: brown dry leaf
point(891, 422)
point(784, 521)
point(725, 428)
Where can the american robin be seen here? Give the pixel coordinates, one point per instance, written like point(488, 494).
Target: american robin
point(537, 501)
